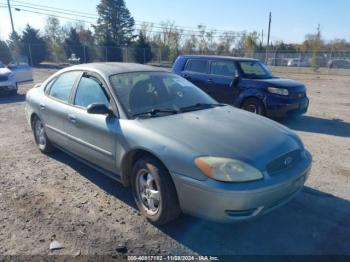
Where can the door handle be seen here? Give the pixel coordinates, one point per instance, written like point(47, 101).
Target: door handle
point(42, 107)
point(72, 118)
point(210, 80)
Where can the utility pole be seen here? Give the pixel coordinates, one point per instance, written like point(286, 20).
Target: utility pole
point(268, 36)
point(9, 6)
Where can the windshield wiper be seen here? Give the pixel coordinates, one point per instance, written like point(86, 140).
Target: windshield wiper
point(200, 106)
point(156, 112)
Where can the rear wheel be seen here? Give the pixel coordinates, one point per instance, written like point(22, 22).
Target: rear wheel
point(254, 105)
point(40, 137)
point(154, 191)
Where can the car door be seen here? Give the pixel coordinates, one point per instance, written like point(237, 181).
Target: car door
point(221, 75)
point(92, 136)
point(196, 71)
point(53, 108)
point(23, 72)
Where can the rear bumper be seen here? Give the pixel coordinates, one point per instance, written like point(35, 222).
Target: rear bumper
point(235, 202)
point(278, 107)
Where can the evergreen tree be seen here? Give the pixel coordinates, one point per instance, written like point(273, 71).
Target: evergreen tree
point(5, 54)
point(15, 45)
point(114, 29)
point(142, 51)
point(72, 44)
point(33, 45)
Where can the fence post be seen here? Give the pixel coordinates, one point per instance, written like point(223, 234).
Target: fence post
point(160, 55)
point(298, 65)
point(329, 60)
point(106, 54)
point(126, 54)
point(144, 55)
point(84, 47)
point(30, 54)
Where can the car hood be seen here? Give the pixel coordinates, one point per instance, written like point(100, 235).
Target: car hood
point(280, 82)
point(5, 71)
point(226, 132)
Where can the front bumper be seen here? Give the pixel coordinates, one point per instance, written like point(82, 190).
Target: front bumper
point(279, 107)
point(7, 87)
point(234, 202)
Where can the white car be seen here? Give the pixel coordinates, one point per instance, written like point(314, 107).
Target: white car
point(297, 62)
point(8, 82)
point(12, 74)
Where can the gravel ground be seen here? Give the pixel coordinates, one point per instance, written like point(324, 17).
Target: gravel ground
point(56, 197)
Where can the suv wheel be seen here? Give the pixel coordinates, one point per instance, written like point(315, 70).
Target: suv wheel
point(40, 137)
point(254, 105)
point(154, 191)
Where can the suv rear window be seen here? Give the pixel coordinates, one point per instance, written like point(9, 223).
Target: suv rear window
point(197, 65)
point(222, 68)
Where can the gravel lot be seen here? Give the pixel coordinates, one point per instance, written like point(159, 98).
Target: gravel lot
point(45, 197)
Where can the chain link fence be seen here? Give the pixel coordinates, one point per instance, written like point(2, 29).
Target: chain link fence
point(62, 55)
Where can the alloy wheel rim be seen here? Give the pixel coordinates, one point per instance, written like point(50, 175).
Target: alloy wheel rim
point(252, 109)
point(148, 192)
point(40, 133)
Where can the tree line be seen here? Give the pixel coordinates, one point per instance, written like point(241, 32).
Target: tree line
point(115, 30)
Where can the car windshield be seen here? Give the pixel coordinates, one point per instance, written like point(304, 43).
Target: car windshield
point(158, 93)
point(255, 70)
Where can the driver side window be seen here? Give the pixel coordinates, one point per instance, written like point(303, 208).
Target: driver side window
point(90, 91)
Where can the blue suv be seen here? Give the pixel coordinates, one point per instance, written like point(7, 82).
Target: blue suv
point(245, 83)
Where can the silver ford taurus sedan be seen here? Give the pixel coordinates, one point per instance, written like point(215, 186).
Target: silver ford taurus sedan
point(179, 149)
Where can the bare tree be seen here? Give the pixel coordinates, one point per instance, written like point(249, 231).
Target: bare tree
point(54, 39)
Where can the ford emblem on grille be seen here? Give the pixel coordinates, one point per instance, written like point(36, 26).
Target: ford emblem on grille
point(288, 161)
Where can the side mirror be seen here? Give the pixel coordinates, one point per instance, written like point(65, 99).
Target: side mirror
point(99, 109)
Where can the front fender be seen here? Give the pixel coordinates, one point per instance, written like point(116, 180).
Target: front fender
point(251, 92)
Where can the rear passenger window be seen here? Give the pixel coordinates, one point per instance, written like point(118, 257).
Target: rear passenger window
point(222, 68)
point(196, 65)
point(61, 88)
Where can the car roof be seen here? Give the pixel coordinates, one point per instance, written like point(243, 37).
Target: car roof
point(112, 68)
point(220, 57)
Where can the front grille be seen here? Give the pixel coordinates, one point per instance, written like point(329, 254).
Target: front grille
point(283, 162)
point(3, 78)
point(297, 95)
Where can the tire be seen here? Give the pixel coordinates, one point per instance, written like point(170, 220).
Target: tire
point(154, 191)
point(254, 105)
point(41, 140)
point(15, 91)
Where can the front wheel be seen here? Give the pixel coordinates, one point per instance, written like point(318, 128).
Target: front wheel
point(40, 137)
point(154, 191)
point(254, 105)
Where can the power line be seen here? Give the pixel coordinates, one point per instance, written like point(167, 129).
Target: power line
point(94, 16)
point(91, 23)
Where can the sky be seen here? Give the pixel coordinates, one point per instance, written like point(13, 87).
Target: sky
point(291, 19)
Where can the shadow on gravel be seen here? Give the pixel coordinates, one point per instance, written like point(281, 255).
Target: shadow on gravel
point(8, 99)
point(313, 223)
point(335, 127)
point(107, 184)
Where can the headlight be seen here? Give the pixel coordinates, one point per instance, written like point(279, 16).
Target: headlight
point(227, 170)
point(278, 91)
point(10, 75)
